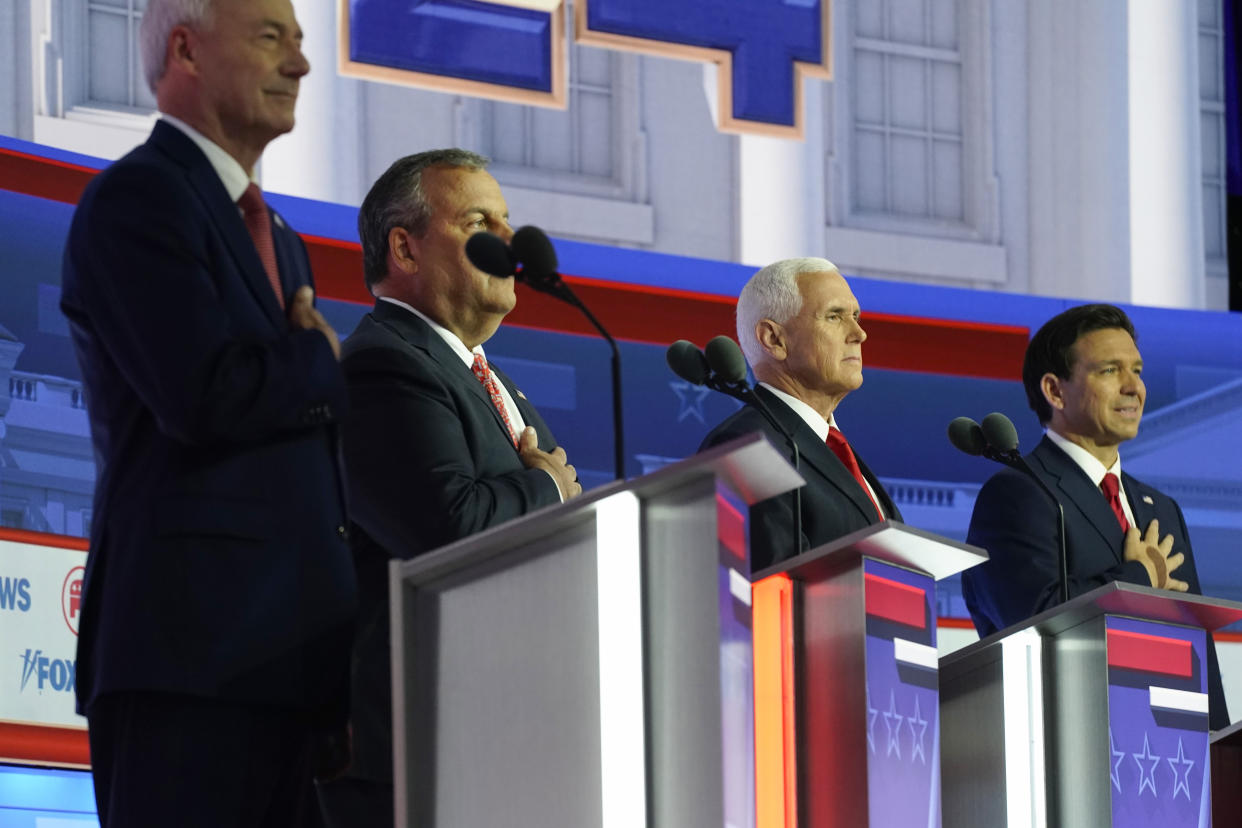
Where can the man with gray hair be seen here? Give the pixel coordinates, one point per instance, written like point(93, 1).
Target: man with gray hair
point(439, 444)
point(219, 592)
point(798, 324)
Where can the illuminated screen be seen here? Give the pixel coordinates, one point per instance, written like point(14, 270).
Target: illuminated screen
point(46, 798)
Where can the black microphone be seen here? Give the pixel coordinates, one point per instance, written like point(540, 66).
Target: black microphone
point(997, 440)
point(1000, 433)
point(534, 250)
point(966, 436)
point(531, 259)
point(491, 255)
point(726, 359)
point(727, 374)
point(687, 362)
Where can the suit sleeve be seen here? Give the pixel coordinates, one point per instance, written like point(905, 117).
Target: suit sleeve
point(413, 483)
point(147, 287)
point(1016, 522)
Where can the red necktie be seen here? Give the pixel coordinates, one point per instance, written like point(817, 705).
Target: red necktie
point(254, 213)
point(484, 375)
point(1111, 487)
point(841, 448)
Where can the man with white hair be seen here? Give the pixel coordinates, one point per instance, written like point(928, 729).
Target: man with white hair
point(798, 324)
point(219, 592)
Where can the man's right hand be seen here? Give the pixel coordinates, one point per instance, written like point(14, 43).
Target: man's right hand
point(1153, 554)
point(302, 314)
point(553, 462)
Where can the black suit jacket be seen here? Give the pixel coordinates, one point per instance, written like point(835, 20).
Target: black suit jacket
point(833, 504)
point(1016, 523)
point(218, 564)
point(429, 462)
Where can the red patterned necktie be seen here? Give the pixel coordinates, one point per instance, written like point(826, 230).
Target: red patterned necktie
point(841, 448)
point(484, 375)
point(1111, 487)
point(254, 213)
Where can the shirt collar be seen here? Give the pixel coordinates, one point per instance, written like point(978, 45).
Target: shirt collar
point(451, 339)
point(232, 175)
point(809, 415)
point(1085, 460)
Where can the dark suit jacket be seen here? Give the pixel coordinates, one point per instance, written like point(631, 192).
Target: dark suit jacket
point(429, 462)
point(833, 504)
point(219, 565)
point(1015, 521)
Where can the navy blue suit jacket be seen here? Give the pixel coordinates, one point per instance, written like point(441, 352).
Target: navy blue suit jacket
point(833, 504)
point(1015, 521)
point(429, 462)
point(219, 563)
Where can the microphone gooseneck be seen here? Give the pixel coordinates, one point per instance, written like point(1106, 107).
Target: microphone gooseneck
point(723, 369)
point(531, 259)
point(997, 440)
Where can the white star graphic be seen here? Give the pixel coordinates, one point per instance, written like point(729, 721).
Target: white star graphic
point(872, 714)
point(1181, 780)
point(1147, 777)
point(916, 736)
point(891, 715)
point(690, 398)
point(1118, 755)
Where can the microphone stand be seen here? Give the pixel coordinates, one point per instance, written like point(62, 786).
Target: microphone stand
point(552, 284)
point(1017, 462)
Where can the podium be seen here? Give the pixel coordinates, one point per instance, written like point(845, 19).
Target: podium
point(846, 724)
point(1093, 713)
point(588, 664)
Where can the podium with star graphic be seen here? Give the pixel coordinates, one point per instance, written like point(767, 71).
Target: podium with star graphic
point(1092, 713)
point(846, 685)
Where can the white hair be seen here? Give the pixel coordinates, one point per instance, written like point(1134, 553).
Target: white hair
point(158, 21)
point(772, 293)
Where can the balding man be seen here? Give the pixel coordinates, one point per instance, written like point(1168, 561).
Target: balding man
point(798, 324)
point(219, 595)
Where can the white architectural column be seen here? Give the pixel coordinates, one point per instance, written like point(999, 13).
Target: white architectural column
point(1166, 210)
point(780, 190)
point(1079, 170)
point(1114, 165)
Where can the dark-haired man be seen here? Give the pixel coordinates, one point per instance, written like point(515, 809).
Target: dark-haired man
point(1083, 378)
point(440, 444)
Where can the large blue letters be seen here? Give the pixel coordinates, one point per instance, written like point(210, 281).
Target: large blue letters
point(513, 52)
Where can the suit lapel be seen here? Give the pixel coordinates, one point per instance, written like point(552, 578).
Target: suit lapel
point(225, 215)
point(1144, 511)
point(1080, 494)
point(419, 334)
point(815, 453)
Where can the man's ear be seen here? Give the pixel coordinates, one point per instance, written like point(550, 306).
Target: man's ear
point(181, 50)
point(403, 250)
point(771, 337)
point(1050, 385)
